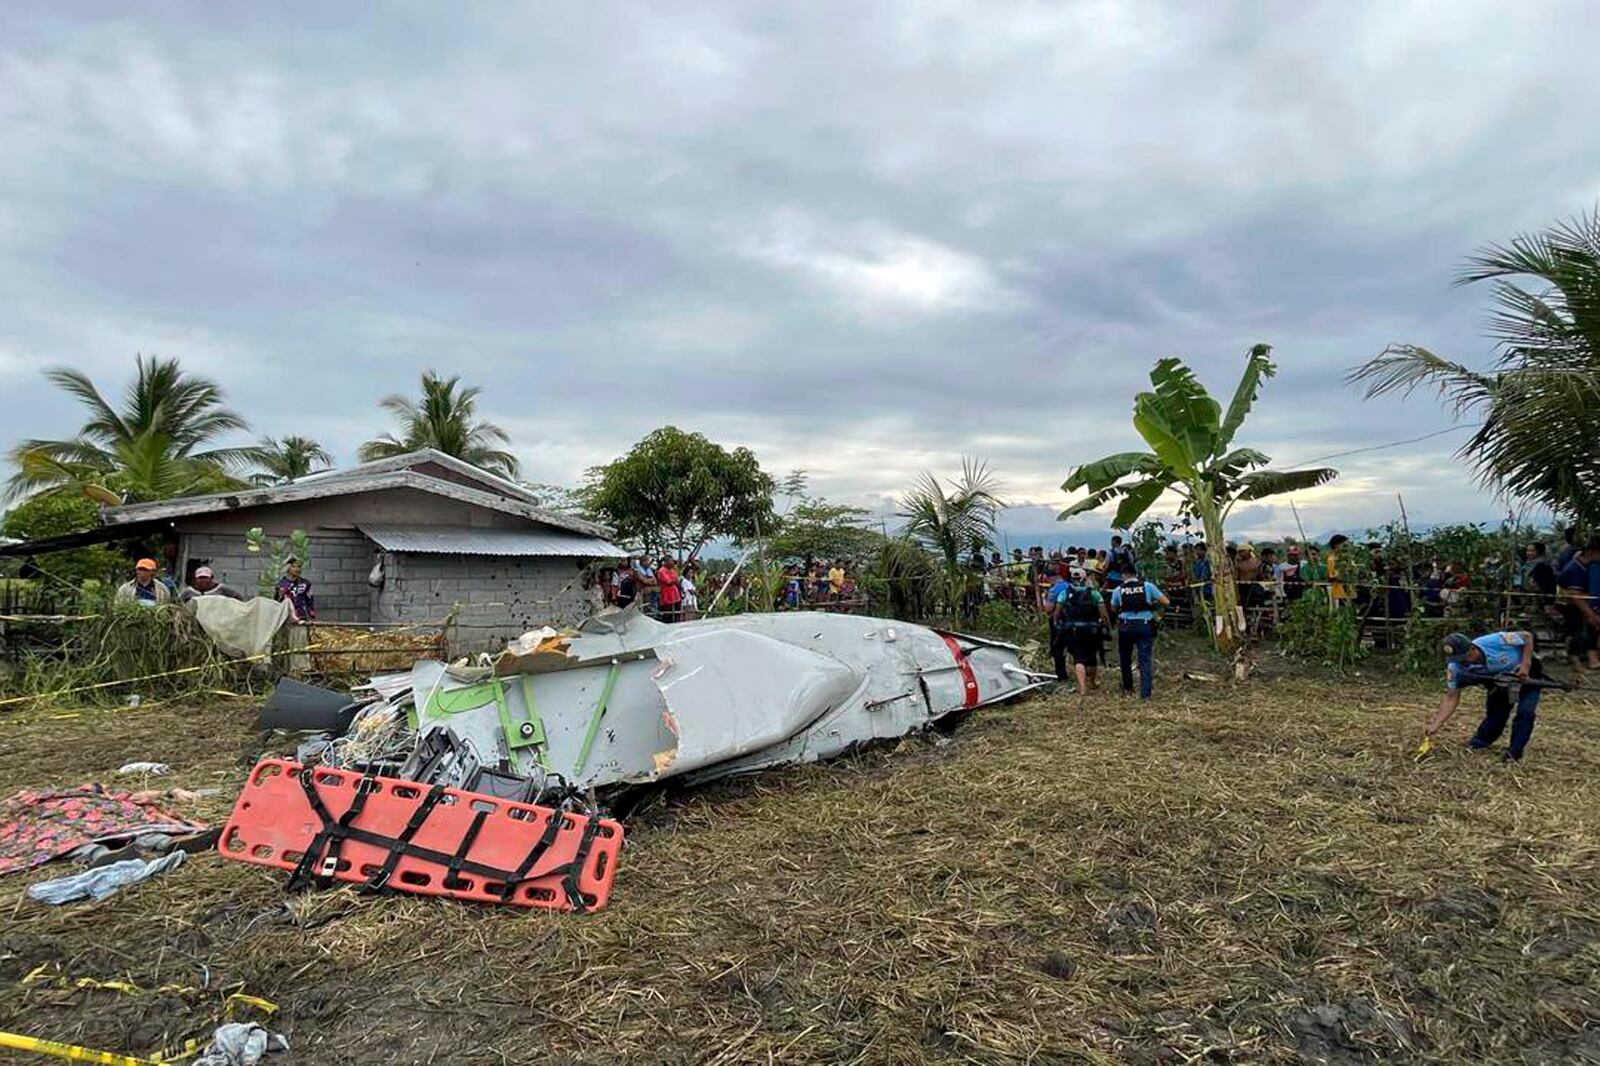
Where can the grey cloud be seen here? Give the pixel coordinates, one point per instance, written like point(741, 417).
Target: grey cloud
point(864, 240)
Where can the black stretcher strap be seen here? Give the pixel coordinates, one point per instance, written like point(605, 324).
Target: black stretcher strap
point(551, 830)
point(332, 834)
point(398, 845)
point(574, 869)
point(335, 831)
point(452, 877)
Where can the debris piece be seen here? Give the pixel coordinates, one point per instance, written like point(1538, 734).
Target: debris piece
point(103, 881)
point(326, 825)
point(240, 1044)
point(296, 706)
point(37, 826)
point(154, 769)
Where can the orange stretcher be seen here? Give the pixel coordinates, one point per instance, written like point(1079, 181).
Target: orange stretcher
point(330, 825)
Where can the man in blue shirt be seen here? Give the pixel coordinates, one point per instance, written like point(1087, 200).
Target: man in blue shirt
point(1120, 563)
point(1577, 595)
point(1135, 602)
point(1508, 655)
point(1077, 611)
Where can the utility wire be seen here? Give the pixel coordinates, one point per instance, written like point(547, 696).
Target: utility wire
point(1381, 447)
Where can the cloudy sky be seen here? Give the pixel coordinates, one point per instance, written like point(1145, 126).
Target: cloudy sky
point(862, 239)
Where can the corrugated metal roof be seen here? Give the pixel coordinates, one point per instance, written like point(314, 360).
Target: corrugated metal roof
point(455, 540)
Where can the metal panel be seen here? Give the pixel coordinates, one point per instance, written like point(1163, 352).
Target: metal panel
point(451, 540)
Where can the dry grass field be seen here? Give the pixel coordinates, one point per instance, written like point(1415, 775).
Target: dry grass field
point(1253, 873)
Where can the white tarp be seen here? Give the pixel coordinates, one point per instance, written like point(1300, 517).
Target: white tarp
point(245, 628)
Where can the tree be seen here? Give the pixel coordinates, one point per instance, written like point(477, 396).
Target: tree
point(1192, 456)
point(949, 520)
point(290, 458)
point(1540, 404)
point(677, 491)
point(817, 529)
point(445, 419)
point(154, 448)
point(55, 514)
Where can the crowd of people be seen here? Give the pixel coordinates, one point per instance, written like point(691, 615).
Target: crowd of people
point(672, 591)
point(664, 587)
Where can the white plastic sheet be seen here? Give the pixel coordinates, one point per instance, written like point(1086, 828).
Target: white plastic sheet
point(241, 628)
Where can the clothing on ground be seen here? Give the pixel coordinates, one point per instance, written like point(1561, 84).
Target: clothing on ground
point(104, 881)
point(37, 826)
point(240, 1044)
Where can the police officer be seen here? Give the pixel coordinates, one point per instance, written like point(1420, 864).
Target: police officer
point(1507, 656)
point(1135, 601)
point(1077, 611)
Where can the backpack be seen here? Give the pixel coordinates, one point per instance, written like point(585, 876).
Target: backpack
point(1081, 608)
point(1133, 597)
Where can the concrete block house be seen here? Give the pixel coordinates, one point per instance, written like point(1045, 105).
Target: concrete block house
point(449, 537)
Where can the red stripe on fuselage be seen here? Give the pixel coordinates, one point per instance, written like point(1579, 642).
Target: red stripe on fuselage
point(969, 683)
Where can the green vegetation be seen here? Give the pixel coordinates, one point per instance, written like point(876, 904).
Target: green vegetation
point(952, 521)
point(444, 418)
point(1192, 455)
point(676, 491)
point(276, 555)
point(287, 459)
point(157, 445)
point(54, 514)
point(1540, 405)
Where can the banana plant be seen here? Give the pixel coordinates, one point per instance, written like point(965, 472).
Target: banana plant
point(1192, 456)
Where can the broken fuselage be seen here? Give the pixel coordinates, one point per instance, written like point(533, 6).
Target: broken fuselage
point(630, 700)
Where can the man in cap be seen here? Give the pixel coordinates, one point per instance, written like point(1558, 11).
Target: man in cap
point(1077, 611)
point(205, 583)
point(144, 589)
point(1507, 655)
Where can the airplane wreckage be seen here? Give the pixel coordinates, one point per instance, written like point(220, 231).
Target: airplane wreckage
point(480, 781)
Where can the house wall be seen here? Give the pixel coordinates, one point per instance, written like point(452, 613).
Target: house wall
point(499, 598)
point(338, 567)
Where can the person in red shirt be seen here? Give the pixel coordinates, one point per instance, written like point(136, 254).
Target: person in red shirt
point(669, 584)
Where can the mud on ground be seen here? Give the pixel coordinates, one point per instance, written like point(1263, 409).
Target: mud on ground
point(1233, 873)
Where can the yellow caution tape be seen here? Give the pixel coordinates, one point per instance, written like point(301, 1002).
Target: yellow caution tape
point(265, 1006)
point(40, 975)
point(71, 1052)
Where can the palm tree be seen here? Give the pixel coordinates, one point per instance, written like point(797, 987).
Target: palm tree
point(289, 458)
point(1192, 456)
point(444, 419)
point(948, 519)
point(154, 447)
point(1540, 403)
